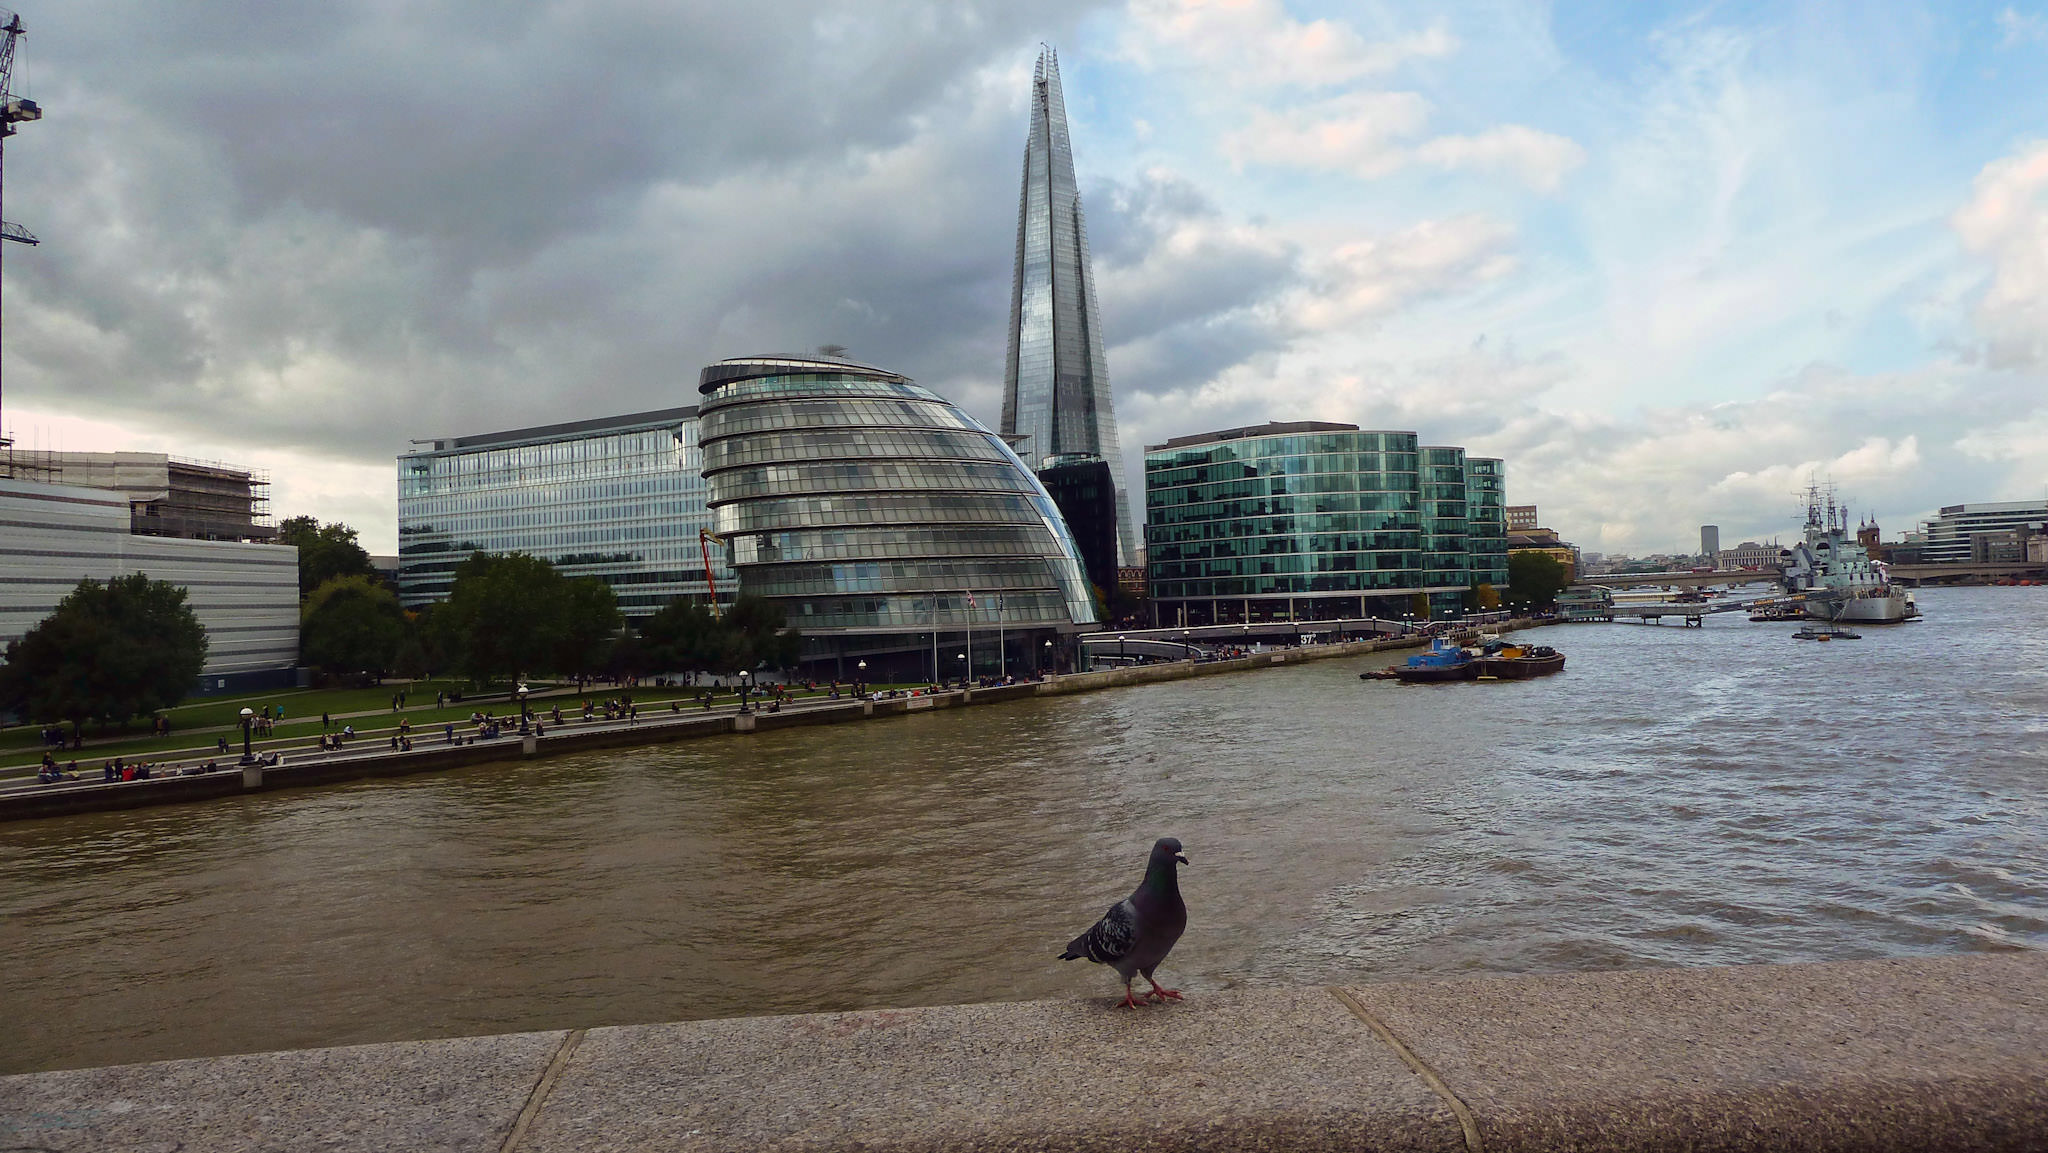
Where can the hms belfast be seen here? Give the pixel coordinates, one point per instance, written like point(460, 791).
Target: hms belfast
point(1830, 561)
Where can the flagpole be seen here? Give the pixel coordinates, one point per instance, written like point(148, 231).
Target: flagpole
point(968, 672)
point(1002, 642)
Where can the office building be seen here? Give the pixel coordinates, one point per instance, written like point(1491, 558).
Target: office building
point(1316, 521)
point(1522, 517)
point(1710, 541)
point(1085, 492)
point(1056, 397)
point(1751, 555)
point(891, 526)
point(245, 594)
point(619, 498)
point(1950, 536)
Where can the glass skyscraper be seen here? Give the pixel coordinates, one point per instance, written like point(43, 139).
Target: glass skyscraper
point(1056, 396)
point(1311, 520)
point(890, 525)
point(619, 498)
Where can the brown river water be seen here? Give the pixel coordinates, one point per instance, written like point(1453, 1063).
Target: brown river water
point(1722, 795)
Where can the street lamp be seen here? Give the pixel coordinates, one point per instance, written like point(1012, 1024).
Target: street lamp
point(248, 719)
point(1047, 663)
point(746, 682)
point(860, 687)
point(964, 670)
point(1119, 648)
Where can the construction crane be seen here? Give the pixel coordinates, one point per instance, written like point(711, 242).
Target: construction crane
point(705, 539)
point(13, 110)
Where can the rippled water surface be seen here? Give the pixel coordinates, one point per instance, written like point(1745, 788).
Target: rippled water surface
point(1675, 797)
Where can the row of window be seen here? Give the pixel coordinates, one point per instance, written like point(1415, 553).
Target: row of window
point(871, 476)
point(740, 420)
point(1392, 562)
point(1276, 486)
point(932, 508)
point(892, 542)
point(849, 444)
point(1281, 545)
point(915, 611)
point(813, 384)
point(989, 580)
point(1248, 586)
point(1306, 504)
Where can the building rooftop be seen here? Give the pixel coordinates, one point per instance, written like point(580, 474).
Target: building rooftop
point(1271, 428)
point(750, 367)
point(572, 428)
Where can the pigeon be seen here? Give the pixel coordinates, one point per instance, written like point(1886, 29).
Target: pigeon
point(1136, 935)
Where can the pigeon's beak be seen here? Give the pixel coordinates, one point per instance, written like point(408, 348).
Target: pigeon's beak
point(1182, 858)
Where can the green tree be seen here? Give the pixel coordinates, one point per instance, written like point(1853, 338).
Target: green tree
point(684, 635)
point(326, 551)
point(1485, 597)
point(351, 624)
point(107, 653)
point(504, 615)
point(590, 620)
point(1534, 579)
point(762, 640)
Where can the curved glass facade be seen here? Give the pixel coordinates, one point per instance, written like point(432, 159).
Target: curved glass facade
point(1314, 521)
point(882, 517)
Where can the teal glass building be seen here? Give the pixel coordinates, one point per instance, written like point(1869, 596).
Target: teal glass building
point(892, 527)
point(618, 498)
point(1317, 521)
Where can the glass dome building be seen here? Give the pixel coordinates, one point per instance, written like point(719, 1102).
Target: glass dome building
point(892, 527)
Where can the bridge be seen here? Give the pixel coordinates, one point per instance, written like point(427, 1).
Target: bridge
point(1912, 575)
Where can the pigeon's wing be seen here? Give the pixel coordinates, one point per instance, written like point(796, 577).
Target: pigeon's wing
point(1107, 941)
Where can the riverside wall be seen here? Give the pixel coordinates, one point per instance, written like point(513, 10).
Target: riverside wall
point(654, 728)
point(1941, 1053)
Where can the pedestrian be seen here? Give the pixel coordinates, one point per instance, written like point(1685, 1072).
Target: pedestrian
point(326, 722)
point(440, 699)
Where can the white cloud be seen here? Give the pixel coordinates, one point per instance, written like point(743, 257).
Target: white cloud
point(2006, 221)
point(1256, 43)
point(1366, 134)
point(1540, 159)
point(1369, 278)
point(1359, 133)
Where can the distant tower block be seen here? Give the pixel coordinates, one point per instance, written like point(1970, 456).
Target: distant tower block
point(1710, 541)
point(1056, 399)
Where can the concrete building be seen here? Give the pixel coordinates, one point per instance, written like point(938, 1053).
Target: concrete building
point(1750, 555)
point(1522, 517)
point(1313, 520)
point(1057, 408)
point(1950, 536)
point(167, 496)
point(891, 527)
point(620, 498)
point(245, 594)
point(1710, 541)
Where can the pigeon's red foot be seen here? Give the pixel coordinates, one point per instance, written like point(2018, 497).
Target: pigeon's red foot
point(1162, 994)
point(1129, 1002)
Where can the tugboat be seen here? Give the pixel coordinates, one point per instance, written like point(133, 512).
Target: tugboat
point(1843, 582)
point(1826, 633)
point(1443, 660)
point(1510, 662)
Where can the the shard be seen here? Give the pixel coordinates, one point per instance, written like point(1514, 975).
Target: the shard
point(1056, 399)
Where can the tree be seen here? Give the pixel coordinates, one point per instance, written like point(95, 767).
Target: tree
point(326, 551)
point(506, 614)
point(108, 652)
point(762, 640)
point(351, 625)
point(1534, 579)
point(590, 619)
point(750, 634)
point(1485, 597)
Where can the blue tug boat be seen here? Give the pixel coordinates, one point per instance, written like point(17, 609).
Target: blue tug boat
point(1443, 660)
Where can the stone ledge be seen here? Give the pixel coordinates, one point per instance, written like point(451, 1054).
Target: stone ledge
point(1919, 1053)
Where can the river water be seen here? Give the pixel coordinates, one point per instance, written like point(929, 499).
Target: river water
point(1676, 797)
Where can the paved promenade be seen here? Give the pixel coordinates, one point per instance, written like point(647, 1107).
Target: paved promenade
point(303, 765)
point(1946, 1053)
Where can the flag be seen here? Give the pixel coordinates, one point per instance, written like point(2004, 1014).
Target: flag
point(970, 598)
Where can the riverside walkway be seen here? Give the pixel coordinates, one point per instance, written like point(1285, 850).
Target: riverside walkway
point(1946, 1053)
point(300, 764)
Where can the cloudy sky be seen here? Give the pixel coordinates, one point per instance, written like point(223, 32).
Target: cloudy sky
point(1667, 260)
